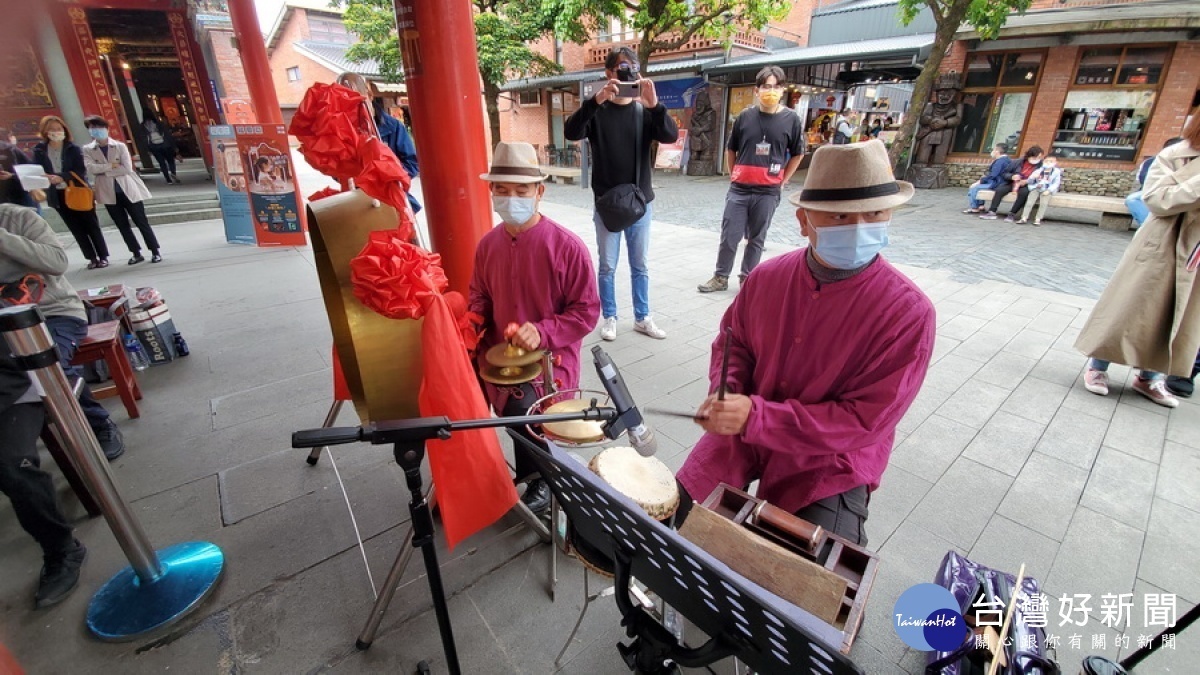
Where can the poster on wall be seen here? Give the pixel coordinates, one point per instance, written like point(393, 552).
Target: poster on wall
point(670, 155)
point(231, 186)
point(270, 181)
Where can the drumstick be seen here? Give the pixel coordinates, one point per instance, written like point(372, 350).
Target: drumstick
point(675, 413)
point(1007, 620)
point(728, 332)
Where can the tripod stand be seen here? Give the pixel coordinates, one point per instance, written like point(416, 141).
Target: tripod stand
point(408, 439)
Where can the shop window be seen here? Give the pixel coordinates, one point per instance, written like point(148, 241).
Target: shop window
point(533, 97)
point(1103, 125)
point(293, 74)
point(1107, 110)
point(996, 99)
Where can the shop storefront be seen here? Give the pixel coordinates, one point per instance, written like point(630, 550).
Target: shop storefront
point(1101, 95)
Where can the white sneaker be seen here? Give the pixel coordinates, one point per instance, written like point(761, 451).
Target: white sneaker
point(646, 327)
point(608, 329)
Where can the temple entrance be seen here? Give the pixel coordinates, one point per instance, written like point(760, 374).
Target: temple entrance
point(141, 64)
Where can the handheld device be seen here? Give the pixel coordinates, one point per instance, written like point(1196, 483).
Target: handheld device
point(629, 89)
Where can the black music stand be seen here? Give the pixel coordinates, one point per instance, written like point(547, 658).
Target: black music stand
point(408, 438)
point(762, 630)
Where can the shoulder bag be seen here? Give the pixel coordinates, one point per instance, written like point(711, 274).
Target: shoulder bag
point(625, 204)
point(79, 197)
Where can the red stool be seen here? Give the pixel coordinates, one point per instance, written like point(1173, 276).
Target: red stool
point(103, 341)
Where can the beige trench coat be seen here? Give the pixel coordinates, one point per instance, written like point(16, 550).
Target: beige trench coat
point(107, 172)
point(1148, 316)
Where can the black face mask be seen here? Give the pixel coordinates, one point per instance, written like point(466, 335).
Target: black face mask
point(626, 74)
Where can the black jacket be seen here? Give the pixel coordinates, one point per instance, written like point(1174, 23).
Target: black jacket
point(72, 161)
point(10, 188)
point(14, 382)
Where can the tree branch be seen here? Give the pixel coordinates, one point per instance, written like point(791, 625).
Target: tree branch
point(693, 28)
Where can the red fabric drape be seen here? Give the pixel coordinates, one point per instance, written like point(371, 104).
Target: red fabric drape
point(399, 280)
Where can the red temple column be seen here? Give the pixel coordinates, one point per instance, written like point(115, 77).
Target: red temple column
point(253, 51)
point(437, 43)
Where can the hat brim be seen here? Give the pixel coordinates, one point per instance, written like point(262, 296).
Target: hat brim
point(509, 178)
point(858, 205)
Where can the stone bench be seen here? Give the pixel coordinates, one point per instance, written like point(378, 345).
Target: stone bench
point(1114, 215)
point(562, 174)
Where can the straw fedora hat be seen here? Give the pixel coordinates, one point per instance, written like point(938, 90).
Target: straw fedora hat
point(514, 163)
point(852, 179)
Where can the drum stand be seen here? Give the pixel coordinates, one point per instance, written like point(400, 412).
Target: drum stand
point(408, 439)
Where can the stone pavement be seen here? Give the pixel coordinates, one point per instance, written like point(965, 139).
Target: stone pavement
point(1003, 457)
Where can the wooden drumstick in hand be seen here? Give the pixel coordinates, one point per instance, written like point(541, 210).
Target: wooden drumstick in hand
point(721, 386)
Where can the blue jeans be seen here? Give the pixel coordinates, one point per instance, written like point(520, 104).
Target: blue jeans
point(972, 201)
point(1102, 365)
point(637, 238)
point(1137, 207)
point(67, 333)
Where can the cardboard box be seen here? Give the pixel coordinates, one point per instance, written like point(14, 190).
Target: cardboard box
point(154, 329)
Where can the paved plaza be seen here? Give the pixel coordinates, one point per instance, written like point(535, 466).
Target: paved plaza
point(1003, 457)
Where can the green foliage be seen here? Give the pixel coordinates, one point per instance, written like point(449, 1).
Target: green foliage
point(503, 29)
point(374, 22)
point(987, 17)
point(667, 24)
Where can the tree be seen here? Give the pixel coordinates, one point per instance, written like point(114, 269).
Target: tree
point(987, 17)
point(668, 24)
point(503, 31)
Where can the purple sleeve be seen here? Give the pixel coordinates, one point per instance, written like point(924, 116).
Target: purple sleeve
point(862, 416)
point(741, 363)
point(478, 299)
point(578, 317)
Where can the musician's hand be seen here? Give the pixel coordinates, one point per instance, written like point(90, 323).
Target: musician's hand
point(527, 337)
point(724, 418)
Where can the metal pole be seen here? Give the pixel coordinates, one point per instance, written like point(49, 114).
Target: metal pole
point(30, 341)
point(391, 583)
point(159, 587)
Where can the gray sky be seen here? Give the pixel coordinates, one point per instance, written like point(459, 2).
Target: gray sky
point(267, 11)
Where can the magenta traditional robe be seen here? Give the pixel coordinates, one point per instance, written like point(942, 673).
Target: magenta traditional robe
point(543, 275)
point(830, 370)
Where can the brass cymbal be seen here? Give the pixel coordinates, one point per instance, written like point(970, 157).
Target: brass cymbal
point(576, 431)
point(510, 374)
point(507, 354)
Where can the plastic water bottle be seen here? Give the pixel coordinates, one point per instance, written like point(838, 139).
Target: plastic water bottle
point(181, 346)
point(137, 356)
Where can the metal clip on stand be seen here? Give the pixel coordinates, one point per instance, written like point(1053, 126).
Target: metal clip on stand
point(158, 588)
point(408, 438)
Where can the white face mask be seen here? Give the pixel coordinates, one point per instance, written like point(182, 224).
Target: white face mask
point(57, 136)
point(847, 247)
point(514, 210)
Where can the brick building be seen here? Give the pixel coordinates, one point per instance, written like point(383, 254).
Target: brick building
point(307, 44)
point(1101, 84)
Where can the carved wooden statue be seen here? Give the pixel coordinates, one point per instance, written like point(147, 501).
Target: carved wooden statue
point(700, 137)
point(939, 119)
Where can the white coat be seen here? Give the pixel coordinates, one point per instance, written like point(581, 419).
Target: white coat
point(115, 169)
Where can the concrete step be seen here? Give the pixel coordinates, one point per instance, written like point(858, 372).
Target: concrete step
point(184, 216)
point(154, 207)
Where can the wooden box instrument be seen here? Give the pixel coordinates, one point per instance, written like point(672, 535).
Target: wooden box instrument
point(839, 558)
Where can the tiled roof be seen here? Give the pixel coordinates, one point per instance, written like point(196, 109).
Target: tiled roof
point(334, 58)
point(862, 50)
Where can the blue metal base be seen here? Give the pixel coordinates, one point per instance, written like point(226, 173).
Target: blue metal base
point(125, 608)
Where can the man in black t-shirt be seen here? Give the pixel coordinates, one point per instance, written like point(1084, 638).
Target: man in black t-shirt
point(609, 123)
point(764, 150)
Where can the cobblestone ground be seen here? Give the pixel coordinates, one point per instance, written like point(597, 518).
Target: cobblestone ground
point(1068, 253)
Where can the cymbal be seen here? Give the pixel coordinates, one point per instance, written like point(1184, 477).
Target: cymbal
point(575, 431)
point(510, 374)
point(507, 354)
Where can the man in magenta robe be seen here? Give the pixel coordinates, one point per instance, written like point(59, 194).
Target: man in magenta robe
point(829, 346)
point(532, 272)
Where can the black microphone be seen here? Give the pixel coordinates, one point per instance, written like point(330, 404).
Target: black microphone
point(629, 418)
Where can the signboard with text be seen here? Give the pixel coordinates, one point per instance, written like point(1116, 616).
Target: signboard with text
point(257, 186)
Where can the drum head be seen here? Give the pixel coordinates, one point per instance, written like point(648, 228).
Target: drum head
point(645, 480)
point(575, 431)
